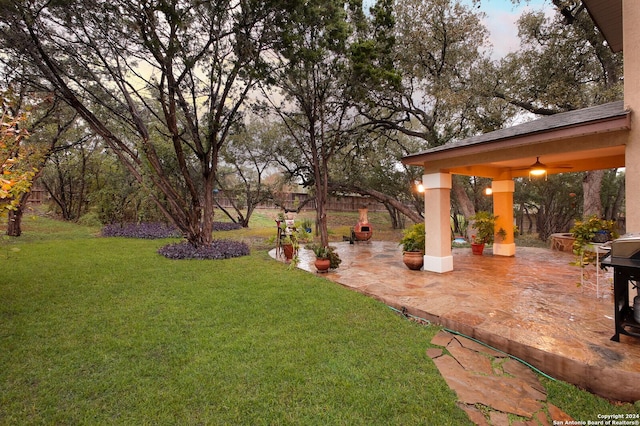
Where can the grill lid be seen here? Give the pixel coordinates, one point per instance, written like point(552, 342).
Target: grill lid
point(626, 247)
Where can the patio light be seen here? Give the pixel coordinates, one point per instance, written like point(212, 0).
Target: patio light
point(538, 169)
point(419, 186)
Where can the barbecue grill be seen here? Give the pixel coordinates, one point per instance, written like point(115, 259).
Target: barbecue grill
point(624, 258)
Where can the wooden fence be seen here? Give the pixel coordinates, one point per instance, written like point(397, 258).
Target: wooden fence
point(347, 203)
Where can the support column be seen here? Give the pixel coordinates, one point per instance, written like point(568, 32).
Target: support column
point(631, 40)
point(437, 205)
point(503, 209)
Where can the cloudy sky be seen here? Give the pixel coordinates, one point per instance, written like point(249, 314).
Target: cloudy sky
point(501, 21)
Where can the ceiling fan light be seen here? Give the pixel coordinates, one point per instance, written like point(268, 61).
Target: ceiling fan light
point(537, 172)
point(537, 168)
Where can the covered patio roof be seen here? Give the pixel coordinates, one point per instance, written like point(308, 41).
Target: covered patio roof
point(586, 139)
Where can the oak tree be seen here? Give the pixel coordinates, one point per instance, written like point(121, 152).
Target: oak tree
point(139, 72)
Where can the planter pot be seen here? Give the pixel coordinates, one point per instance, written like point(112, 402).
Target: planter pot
point(288, 251)
point(602, 237)
point(413, 259)
point(322, 265)
point(477, 249)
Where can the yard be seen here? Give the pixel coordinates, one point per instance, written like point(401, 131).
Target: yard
point(105, 330)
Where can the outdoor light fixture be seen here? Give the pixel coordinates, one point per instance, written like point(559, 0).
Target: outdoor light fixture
point(488, 191)
point(538, 169)
point(419, 186)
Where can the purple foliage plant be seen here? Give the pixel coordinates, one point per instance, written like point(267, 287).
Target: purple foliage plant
point(218, 249)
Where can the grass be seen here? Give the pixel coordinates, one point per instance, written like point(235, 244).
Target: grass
point(104, 330)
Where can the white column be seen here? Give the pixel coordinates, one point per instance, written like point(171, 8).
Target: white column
point(437, 205)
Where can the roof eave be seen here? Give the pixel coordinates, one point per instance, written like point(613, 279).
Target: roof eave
point(612, 124)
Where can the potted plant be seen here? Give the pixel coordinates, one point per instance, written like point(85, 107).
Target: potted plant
point(484, 224)
point(413, 246)
point(306, 225)
point(289, 246)
point(326, 258)
point(589, 231)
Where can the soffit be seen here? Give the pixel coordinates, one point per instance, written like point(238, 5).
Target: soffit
point(607, 15)
point(586, 139)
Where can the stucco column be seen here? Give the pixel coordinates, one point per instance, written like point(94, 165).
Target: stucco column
point(437, 205)
point(503, 209)
point(631, 41)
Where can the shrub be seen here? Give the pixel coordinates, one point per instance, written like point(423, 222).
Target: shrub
point(155, 229)
point(140, 230)
point(484, 223)
point(414, 238)
point(226, 226)
point(90, 219)
point(218, 249)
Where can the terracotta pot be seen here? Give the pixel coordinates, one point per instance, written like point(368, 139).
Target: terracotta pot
point(322, 265)
point(477, 249)
point(288, 251)
point(413, 259)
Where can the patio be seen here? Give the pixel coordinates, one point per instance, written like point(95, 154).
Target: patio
point(528, 306)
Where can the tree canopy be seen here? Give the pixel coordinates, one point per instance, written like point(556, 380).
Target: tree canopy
point(16, 172)
point(140, 73)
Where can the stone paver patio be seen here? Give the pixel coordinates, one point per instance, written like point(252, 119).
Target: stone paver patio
point(528, 306)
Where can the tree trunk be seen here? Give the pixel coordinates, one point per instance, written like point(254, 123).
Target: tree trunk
point(464, 203)
point(397, 218)
point(14, 217)
point(208, 212)
point(617, 205)
point(14, 221)
point(321, 211)
point(591, 185)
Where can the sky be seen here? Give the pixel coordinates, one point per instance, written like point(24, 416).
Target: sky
point(501, 17)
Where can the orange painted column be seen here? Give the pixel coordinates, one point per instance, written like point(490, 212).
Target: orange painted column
point(631, 41)
point(437, 223)
point(503, 209)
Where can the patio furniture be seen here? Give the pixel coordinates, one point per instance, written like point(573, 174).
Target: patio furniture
point(601, 250)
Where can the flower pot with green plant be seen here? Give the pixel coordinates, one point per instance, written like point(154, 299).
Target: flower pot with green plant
point(590, 231)
point(484, 224)
point(306, 225)
point(326, 258)
point(412, 243)
point(289, 246)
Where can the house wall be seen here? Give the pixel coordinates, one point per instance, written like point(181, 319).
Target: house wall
point(631, 31)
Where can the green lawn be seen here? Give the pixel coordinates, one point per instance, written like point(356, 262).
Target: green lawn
point(104, 330)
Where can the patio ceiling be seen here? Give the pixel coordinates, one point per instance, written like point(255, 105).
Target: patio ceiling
point(587, 139)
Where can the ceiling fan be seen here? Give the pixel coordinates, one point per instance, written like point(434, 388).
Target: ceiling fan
point(538, 168)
